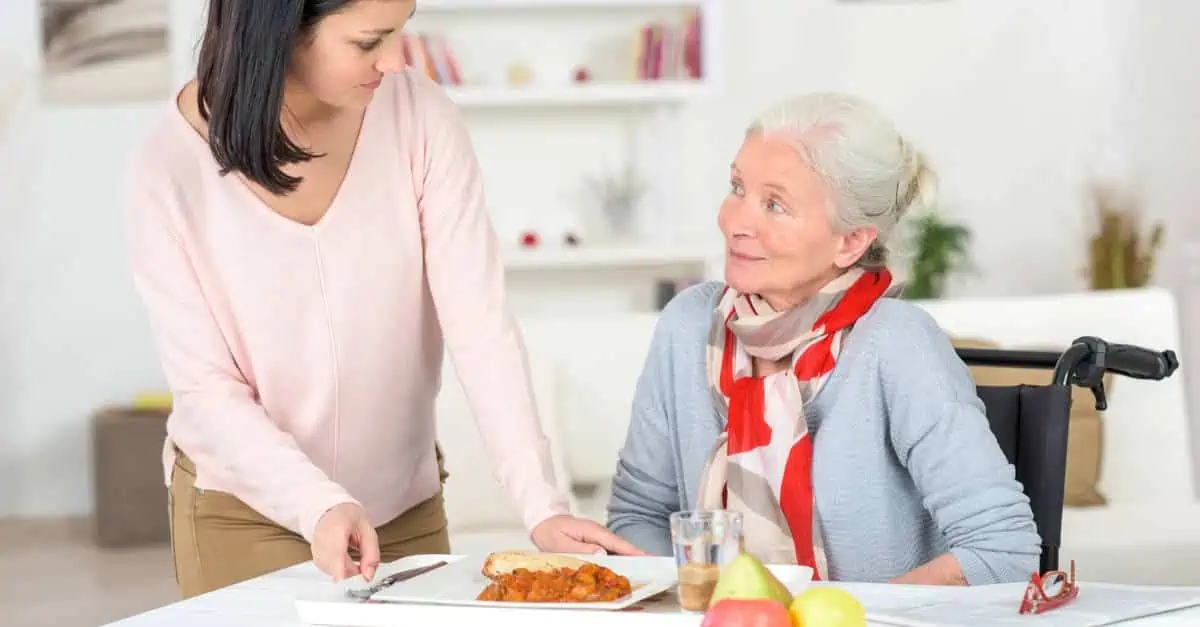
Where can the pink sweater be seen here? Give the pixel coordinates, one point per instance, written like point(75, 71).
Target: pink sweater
point(304, 361)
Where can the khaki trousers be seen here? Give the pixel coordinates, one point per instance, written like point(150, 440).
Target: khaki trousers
point(217, 540)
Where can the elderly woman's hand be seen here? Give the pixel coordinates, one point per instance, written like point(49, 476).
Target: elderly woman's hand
point(568, 534)
point(941, 571)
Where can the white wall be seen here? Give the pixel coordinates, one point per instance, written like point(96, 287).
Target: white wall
point(1015, 102)
point(73, 337)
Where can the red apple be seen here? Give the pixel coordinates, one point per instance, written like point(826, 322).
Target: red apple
point(747, 613)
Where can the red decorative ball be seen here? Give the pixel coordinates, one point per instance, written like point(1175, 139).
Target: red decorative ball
point(529, 239)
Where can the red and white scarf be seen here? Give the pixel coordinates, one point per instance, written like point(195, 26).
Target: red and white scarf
point(761, 465)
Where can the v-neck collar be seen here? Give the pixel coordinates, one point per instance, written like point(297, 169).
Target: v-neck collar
point(348, 179)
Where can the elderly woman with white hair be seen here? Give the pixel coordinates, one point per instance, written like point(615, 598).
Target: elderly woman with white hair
point(837, 419)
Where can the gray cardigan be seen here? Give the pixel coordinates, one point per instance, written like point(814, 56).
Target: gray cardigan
point(905, 467)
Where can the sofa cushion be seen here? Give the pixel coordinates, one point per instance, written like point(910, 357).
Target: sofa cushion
point(1131, 525)
point(1133, 544)
point(474, 499)
point(597, 361)
point(1084, 440)
point(1158, 564)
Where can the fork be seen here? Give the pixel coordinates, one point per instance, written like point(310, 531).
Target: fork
point(363, 594)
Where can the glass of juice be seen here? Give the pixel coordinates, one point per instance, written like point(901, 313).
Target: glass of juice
point(704, 542)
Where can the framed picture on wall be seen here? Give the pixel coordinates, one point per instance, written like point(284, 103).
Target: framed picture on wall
point(104, 51)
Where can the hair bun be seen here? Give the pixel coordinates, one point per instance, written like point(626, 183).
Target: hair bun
point(920, 188)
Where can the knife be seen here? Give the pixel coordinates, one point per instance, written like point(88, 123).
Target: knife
point(363, 594)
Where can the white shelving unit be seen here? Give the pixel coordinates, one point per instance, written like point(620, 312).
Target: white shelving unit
point(582, 95)
point(478, 5)
point(605, 257)
point(659, 102)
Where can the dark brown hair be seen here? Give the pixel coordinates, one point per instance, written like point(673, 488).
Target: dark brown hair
point(244, 58)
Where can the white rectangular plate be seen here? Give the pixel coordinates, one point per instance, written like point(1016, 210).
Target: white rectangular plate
point(327, 604)
point(460, 582)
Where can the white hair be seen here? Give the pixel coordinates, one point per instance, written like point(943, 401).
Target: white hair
point(873, 175)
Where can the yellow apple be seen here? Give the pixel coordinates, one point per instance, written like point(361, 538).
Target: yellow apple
point(822, 606)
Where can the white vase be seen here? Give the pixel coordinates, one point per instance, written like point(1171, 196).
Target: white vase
point(620, 219)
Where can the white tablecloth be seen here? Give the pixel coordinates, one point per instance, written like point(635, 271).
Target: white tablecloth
point(269, 601)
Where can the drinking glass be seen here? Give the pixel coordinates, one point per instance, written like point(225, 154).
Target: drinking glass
point(704, 543)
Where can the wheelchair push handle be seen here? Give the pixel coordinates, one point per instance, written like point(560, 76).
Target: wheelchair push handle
point(1140, 363)
point(1088, 358)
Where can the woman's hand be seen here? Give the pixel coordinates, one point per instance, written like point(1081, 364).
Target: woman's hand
point(567, 534)
point(342, 527)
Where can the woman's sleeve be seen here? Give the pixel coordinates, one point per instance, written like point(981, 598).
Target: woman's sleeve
point(941, 435)
point(215, 418)
point(466, 279)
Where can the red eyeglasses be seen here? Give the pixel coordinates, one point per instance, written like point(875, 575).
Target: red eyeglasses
point(1049, 590)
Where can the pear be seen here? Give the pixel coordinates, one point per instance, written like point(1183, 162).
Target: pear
point(779, 592)
point(745, 577)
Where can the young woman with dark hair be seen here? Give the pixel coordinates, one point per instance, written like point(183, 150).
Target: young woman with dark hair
point(307, 231)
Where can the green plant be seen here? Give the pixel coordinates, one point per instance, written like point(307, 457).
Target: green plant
point(1120, 254)
point(939, 250)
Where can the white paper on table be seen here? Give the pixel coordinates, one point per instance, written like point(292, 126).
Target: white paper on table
point(997, 605)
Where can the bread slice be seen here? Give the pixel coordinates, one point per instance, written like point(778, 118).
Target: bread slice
point(504, 562)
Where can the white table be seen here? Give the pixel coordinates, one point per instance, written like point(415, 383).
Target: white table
point(269, 601)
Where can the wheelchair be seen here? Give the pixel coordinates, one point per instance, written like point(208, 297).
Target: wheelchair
point(1031, 422)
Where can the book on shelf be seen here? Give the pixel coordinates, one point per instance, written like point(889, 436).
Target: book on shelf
point(432, 55)
point(669, 51)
